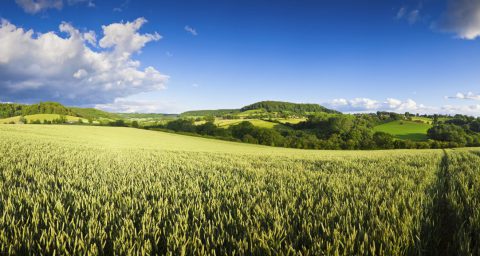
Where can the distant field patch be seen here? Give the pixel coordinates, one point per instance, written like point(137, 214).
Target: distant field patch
point(251, 112)
point(41, 118)
point(405, 130)
point(255, 122)
point(423, 119)
point(292, 120)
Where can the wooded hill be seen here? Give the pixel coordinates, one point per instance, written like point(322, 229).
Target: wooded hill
point(13, 109)
point(280, 106)
point(300, 109)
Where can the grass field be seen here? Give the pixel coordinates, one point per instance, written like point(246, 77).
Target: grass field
point(291, 120)
point(255, 122)
point(405, 130)
point(41, 118)
point(117, 191)
point(251, 112)
point(423, 119)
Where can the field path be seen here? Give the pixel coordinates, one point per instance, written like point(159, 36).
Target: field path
point(447, 220)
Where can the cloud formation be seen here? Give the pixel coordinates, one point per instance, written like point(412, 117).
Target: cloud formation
point(358, 105)
point(471, 110)
point(366, 105)
point(191, 30)
point(122, 105)
point(35, 6)
point(46, 66)
point(465, 96)
point(462, 18)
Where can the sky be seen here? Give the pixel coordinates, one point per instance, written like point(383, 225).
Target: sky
point(169, 56)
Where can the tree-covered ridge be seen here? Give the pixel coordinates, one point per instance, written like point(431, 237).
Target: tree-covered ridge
point(280, 106)
point(12, 109)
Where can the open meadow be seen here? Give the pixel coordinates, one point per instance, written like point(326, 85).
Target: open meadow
point(104, 190)
point(406, 130)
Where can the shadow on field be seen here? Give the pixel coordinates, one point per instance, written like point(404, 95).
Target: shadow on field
point(412, 136)
point(441, 222)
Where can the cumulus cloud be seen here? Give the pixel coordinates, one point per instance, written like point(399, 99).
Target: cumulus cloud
point(35, 6)
point(465, 96)
point(122, 105)
point(191, 30)
point(359, 105)
point(462, 18)
point(124, 39)
point(47, 66)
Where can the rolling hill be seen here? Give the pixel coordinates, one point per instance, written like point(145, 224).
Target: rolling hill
point(263, 107)
point(280, 106)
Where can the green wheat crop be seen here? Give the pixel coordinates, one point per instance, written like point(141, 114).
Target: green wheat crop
point(73, 190)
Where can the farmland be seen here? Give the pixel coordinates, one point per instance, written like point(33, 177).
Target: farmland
point(105, 190)
point(416, 131)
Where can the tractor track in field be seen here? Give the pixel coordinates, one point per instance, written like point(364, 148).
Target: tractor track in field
point(441, 240)
point(447, 217)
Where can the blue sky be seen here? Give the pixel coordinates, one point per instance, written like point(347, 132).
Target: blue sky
point(354, 56)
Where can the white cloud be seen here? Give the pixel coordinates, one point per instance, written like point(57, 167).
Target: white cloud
point(46, 66)
point(81, 73)
point(365, 105)
point(471, 110)
point(124, 39)
point(191, 30)
point(90, 37)
point(462, 18)
point(122, 105)
point(34, 6)
point(465, 96)
point(354, 105)
point(358, 105)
